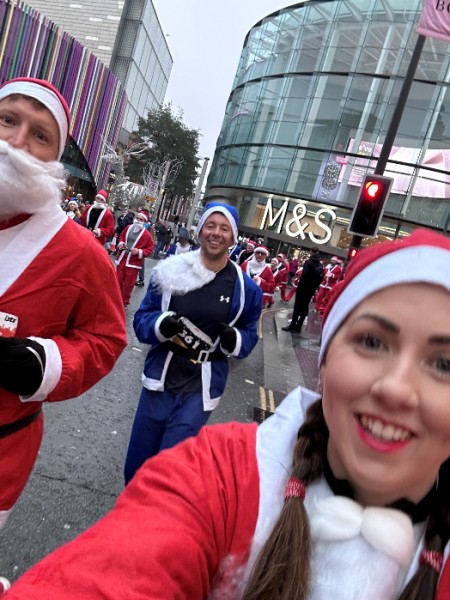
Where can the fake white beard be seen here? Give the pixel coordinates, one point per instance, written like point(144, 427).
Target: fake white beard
point(136, 227)
point(28, 185)
point(98, 204)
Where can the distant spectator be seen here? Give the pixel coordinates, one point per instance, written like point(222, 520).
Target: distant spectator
point(247, 252)
point(293, 267)
point(182, 245)
point(98, 218)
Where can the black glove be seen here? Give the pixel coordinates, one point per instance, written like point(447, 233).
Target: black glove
point(228, 337)
point(170, 326)
point(22, 365)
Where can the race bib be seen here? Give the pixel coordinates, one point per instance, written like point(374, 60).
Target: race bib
point(8, 324)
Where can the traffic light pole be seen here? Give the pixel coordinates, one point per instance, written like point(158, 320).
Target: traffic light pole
point(396, 118)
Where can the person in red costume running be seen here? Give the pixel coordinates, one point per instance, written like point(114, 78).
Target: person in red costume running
point(342, 493)
point(261, 273)
point(135, 243)
point(61, 329)
point(333, 272)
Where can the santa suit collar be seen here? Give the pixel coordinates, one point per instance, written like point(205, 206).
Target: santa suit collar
point(100, 216)
point(25, 241)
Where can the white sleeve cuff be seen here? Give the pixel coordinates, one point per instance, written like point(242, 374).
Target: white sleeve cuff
point(52, 373)
point(237, 348)
point(162, 316)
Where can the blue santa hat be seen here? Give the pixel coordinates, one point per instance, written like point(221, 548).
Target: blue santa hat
point(228, 211)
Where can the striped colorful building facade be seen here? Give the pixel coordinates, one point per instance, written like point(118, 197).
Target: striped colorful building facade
point(33, 46)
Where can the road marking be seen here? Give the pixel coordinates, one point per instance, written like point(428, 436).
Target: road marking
point(262, 397)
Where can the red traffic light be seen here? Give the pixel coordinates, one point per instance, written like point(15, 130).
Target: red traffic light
point(353, 253)
point(373, 189)
point(370, 205)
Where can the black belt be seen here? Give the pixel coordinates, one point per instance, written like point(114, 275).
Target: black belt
point(11, 428)
point(195, 356)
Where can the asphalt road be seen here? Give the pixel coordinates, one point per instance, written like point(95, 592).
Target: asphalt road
point(78, 474)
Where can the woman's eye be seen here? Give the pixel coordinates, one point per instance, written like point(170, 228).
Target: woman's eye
point(369, 341)
point(443, 365)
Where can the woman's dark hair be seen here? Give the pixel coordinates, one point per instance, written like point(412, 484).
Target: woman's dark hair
point(282, 570)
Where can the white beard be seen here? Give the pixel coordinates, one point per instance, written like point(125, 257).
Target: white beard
point(28, 185)
point(136, 227)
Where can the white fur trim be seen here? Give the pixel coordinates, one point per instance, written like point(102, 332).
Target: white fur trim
point(53, 370)
point(388, 530)
point(161, 317)
point(32, 237)
point(4, 514)
point(424, 264)
point(181, 273)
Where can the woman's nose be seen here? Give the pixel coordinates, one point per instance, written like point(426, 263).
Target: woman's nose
point(397, 384)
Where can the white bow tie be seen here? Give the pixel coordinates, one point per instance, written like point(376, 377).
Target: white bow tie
point(386, 529)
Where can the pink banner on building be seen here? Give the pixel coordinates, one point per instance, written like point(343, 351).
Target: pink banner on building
point(435, 19)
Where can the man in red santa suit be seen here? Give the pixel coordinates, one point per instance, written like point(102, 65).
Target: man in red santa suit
point(98, 218)
point(135, 244)
point(61, 329)
point(261, 273)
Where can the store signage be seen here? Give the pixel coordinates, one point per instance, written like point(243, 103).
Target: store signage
point(297, 226)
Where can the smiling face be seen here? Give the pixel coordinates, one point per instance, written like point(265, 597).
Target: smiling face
point(216, 236)
point(28, 125)
point(386, 393)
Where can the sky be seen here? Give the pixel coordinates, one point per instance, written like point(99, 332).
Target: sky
point(205, 39)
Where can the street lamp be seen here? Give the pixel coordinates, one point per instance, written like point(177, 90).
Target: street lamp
point(198, 190)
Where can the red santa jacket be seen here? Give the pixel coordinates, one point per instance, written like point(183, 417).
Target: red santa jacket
point(62, 287)
point(264, 279)
point(143, 243)
point(105, 223)
point(332, 276)
point(189, 522)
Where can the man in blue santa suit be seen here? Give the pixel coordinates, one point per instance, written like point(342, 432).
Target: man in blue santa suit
point(186, 369)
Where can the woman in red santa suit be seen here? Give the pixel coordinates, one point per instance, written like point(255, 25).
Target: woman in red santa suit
point(343, 493)
point(261, 273)
point(135, 244)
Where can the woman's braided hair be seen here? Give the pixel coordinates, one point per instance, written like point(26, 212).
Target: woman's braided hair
point(282, 570)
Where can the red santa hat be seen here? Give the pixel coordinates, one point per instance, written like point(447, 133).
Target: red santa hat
point(143, 215)
point(275, 260)
point(334, 259)
point(423, 257)
point(261, 248)
point(102, 195)
point(46, 94)
point(282, 256)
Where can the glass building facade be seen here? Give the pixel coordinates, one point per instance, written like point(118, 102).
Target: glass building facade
point(311, 103)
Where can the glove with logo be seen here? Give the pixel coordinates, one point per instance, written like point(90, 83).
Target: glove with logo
point(170, 326)
point(228, 337)
point(22, 365)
